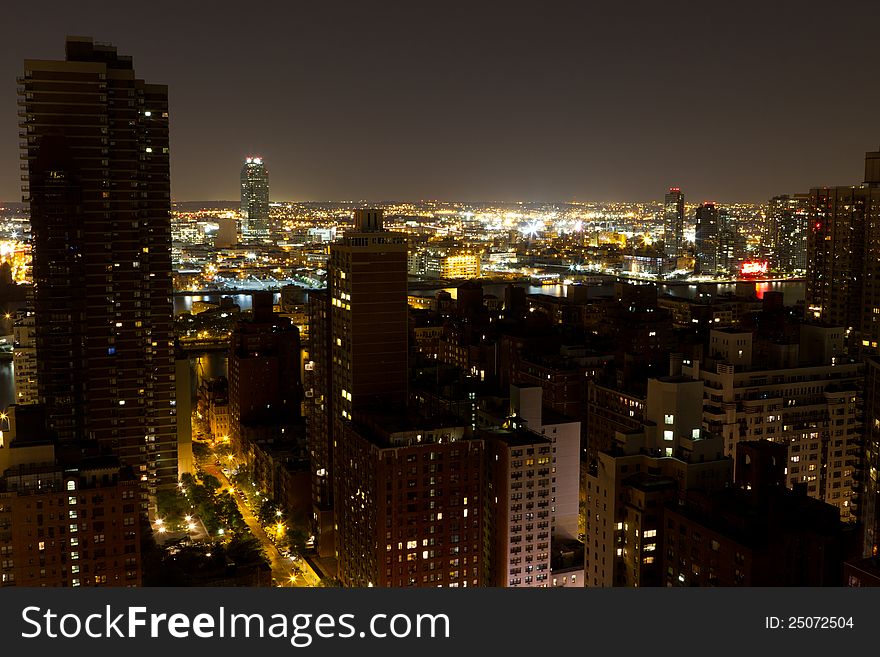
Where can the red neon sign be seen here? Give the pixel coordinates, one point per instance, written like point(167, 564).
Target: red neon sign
point(754, 268)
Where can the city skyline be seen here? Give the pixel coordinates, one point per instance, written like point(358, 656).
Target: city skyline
point(575, 103)
point(680, 392)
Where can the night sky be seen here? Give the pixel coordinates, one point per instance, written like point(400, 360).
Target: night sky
point(495, 101)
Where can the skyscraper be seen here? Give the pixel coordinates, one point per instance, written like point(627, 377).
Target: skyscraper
point(254, 199)
point(843, 263)
point(706, 240)
point(731, 243)
point(358, 338)
point(673, 223)
point(368, 316)
point(787, 224)
point(99, 190)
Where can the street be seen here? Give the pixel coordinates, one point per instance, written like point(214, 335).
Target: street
point(283, 568)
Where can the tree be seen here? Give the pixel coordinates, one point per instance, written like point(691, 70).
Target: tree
point(211, 482)
point(268, 512)
point(171, 504)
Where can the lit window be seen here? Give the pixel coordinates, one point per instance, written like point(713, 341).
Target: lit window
point(667, 435)
point(71, 485)
point(695, 433)
point(669, 419)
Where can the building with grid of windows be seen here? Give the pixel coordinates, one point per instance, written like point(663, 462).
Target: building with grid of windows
point(814, 408)
point(96, 151)
point(409, 504)
point(843, 245)
point(66, 519)
point(254, 199)
point(358, 350)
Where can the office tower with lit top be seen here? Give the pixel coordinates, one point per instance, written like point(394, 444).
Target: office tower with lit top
point(673, 223)
point(254, 199)
point(96, 153)
point(843, 263)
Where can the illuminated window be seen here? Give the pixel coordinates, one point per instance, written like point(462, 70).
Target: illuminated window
point(71, 485)
point(669, 419)
point(667, 435)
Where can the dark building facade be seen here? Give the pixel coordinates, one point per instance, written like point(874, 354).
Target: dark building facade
point(673, 223)
point(843, 243)
point(99, 192)
point(410, 506)
point(359, 349)
point(788, 222)
point(265, 390)
point(67, 519)
point(706, 240)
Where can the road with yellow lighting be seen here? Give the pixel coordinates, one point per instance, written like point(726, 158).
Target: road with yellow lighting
point(284, 570)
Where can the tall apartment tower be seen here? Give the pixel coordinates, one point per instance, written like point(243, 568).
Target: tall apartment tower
point(673, 223)
point(843, 263)
point(788, 222)
point(365, 315)
point(95, 142)
point(254, 199)
point(706, 239)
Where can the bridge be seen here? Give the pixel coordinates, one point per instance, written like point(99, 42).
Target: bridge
point(202, 345)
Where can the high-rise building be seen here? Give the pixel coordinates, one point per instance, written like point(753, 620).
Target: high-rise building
point(564, 436)
point(788, 221)
point(673, 223)
point(254, 199)
point(99, 190)
point(731, 244)
point(813, 406)
point(520, 503)
point(706, 240)
point(843, 263)
point(361, 333)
